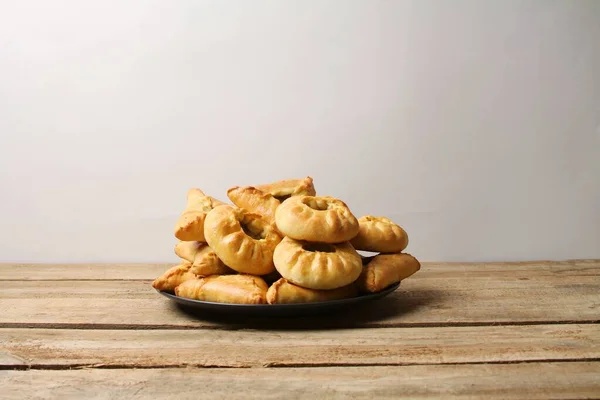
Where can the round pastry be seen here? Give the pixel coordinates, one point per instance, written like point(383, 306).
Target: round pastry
point(379, 234)
point(284, 189)
point(316, 219)
point(244, 241)
point(317, 265)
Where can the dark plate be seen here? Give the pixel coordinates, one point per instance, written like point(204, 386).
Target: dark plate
point(280, 310)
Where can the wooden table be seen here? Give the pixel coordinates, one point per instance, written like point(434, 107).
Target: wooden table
point(505, 330)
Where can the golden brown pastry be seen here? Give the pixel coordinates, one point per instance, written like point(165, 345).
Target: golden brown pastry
point(237, 289)
point(204, 260)
point(244, 241)
point(379, 234)
point(173, 277)
point(284, 292)
point(190, 224)
point(284, 189)
point(317, 265)
point(316, 219)
point(385, 269)
point(254, 201)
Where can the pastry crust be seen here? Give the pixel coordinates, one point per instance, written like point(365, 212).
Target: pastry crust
point(204, 260)
point(379, 234)
point(316, 219)
point(237, 289)
point(190, 224)
point(284, 189)
point(249, 253)
point(254, 200)
point(317, 265)
point(385, 269)
point(174, 277)
point(284, 292)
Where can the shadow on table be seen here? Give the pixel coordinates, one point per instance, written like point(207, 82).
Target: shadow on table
point(369, 314)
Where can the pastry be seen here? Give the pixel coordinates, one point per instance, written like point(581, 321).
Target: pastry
point(254, 200)
point(317, 265)
point(204, 260)
point(244, 241)
point(173, 277)
point(316, 219)
point(237, 289)
point(379, 234)
point(282, 190)
point(190, 224)
point(384, 270)
point(284, 292)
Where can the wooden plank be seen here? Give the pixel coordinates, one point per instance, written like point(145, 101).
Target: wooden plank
point(567, 380)
point(458, 295)
point(139, 271)
point(126, 271)
point(216, 348)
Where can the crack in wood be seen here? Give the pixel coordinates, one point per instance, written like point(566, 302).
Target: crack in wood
point(279, 327)
point(61, 367)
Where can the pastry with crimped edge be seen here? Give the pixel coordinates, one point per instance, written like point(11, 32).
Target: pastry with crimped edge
point(190, 224)
point(254, 200)
point(317, 265)
point(235, 289)
point(284, 189)
point(204, 260)
point(380, 235)
point(316, 219)
point(244, 241)
point(384, 270)
point(173, 277)
point(284, 292)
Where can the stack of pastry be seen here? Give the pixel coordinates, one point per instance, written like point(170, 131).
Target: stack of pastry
point(281, 243)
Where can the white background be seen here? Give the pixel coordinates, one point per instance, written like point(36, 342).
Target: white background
point(474, 124)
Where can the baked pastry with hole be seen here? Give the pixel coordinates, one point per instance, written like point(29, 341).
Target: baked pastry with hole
point(317, 265)
point(244, 241)
point(379, 234)
point(316, 219)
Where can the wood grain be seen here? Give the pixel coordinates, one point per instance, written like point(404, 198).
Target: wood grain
point(125, 271)
point(438, 295)
point(247, 348)
point(566, 380)
point(140, 271)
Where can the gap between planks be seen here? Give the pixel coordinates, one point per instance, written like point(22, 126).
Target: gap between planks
point(59, 367)
point(286, 325)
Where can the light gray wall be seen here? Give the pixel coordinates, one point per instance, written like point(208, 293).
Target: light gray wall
point(474, 124)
